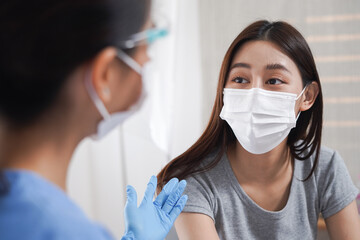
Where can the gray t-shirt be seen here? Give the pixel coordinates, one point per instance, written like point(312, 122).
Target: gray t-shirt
point(218, 194)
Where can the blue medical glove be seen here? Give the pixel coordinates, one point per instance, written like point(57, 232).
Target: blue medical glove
point(152, 220)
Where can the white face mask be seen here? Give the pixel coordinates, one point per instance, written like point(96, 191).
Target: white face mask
point(110, 121)
point(260, 119)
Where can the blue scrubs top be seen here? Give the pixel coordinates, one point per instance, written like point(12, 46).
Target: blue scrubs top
point(34, 208)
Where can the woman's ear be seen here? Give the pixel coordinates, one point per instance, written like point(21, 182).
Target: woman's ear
point(101, 72)
point(310, 95)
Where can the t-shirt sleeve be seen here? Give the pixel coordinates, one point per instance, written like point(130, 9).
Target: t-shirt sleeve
point(200, 198)
point(336, 187)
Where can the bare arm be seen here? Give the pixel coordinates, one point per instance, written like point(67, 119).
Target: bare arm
point(195, 226)
point(344, 224)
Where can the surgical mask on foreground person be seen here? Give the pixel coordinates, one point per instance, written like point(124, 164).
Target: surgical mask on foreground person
point(68, 70)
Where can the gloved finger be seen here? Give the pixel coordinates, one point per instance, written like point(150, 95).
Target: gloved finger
point(164, 194)
point(131, 196)
point(174, 197)
point(174, 213)
point(150, 190)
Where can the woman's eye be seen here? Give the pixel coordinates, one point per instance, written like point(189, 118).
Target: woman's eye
point(274, 81)
point(240, 80)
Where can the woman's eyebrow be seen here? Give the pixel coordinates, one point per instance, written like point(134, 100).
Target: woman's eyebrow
point(279, 66)
point(239, 65)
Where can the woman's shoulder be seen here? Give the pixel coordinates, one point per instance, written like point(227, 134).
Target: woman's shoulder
point(334, 184)
point(331, 171)
point(327, 154)
point(203, 187)
point(210, 166)
point(329, 163)
point(329, 159)
point(208, 174)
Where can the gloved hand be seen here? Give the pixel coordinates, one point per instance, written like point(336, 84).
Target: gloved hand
point(152, 220)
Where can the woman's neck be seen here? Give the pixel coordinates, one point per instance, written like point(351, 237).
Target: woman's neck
point(260, 168)
point(43, 149)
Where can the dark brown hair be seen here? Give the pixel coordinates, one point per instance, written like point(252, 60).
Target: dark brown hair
point(218, 134)
point(43, 41)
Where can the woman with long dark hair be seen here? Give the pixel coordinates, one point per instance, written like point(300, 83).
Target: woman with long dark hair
point(259, 171)
point(70, 69)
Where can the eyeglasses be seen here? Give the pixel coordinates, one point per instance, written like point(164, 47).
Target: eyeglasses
point(145, 37)
point(159, 30)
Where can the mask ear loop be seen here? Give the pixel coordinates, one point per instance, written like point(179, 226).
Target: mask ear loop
point(94, 96)
point(129, 61)
point(91, 90)
point(297, 117)
point(301, 92)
